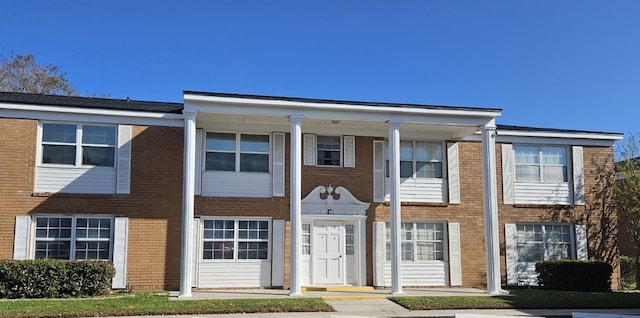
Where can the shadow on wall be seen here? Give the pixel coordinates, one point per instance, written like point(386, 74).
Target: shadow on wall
point(152, 206)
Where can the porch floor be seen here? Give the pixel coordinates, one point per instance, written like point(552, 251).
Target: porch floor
point(330, 295)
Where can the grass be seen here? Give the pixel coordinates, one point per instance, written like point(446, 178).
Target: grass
point(525, 299)
point(152, 304)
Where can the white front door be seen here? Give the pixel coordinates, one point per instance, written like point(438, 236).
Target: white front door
point(329, 252)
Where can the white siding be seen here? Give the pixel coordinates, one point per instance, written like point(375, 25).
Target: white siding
point(100, 180)
point(349, 151)
point(21, 238)
point(455, 257)
point(213, 274)
point(431, 273)
point(420, 190)
point(236, 184)
point(453, 173)
point(120, 241)
point(508, 170)
point(123, 163)
point(542, 193)
point(277, 276)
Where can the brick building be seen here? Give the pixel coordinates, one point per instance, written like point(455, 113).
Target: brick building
point(231, 190)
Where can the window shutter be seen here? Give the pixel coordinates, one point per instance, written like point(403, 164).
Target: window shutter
point(21, 238)
point(510, 235)
point(120, 242)
point(195, 256)
point(277, 251)
point(198, 166)
point(123, 179)
point(379, 252)
point(309, 149)
point(454, 173)
point(277, 170)
point(582, 253)
point(378, 171)
point(455, 259)
point(349, 151)
point(578, 175)
point(508, 168)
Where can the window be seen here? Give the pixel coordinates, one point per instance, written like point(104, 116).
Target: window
point(418, 159)
point(349, 239)
point(236, 240)
point(76, 145)
point(419, 241)
point(542, 242)
point(541, 163)
point(306, 239)
point(237, 152)
point(73, 238)
point(328, 148)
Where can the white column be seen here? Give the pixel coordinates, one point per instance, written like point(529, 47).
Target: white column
point(188, 187)
point(490, 190)
point(295, 223)
point(394, 205)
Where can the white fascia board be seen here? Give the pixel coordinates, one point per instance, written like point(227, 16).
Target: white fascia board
point(235, 102)
point(44, 112)
point(575, 140)
point(554, 134)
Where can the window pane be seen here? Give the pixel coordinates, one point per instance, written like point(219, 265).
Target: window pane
point(406, 169)
point(407, 251)
point(100, 135)
point(254, 162)
point(428, 169)
point(98, 156)
point(220, 161)
point(406, 150)
point(526, 154)
point(56, 250)
point(428, 151)
point(527, 173)
point(554, 155)
point(92, 250)
point(59, 133)
point(328, 158)
point(220, 141)
point(254, 143)
point(59, 154)
point(328, 143)
point(406, 231)
point(554, 174)
point(252, 250)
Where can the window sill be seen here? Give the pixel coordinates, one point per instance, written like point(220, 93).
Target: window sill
point(542, 205)
point(409, 203)
point(71, 195)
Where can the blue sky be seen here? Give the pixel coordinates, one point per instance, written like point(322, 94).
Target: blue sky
point(561, 64)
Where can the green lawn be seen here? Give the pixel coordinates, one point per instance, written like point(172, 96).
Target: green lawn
point(525, 299)
point(149, 303)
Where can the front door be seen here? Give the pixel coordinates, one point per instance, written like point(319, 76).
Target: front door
point(329, 252)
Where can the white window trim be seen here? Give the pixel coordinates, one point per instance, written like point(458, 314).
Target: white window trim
point(445, 247)
point(567, 165)
point(73, 238)
point(235, 239)
point(341, 151)
point(78, 144)
point(443, 161)
point(572, 238)
point(237, 151)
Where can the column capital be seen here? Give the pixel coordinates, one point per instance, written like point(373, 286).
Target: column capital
point(295, 118)
point(393, 124)
point(190, 113)
point(490, 125)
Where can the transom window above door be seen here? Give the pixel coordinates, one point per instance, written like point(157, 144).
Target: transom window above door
point(418, 159)
point(541, 163)
point(237, 152)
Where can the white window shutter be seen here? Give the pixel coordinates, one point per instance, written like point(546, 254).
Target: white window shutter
point(510, 240)
point(309, 149)
point(455, 258)
point(349, 151)
point(198, 166)
point(379, 252)
point(120, 242)
point(21, 238)
point(582, 253)
point(277, 254)
point(195, 256)
point(453, 168)
point(508, 169)
point(278, 173)
point(123, 174)
point(578, 175)
point(378, 171)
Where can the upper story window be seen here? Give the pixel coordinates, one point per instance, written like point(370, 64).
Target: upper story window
point(69, 238)
point(419, 159)
point(78, 145)
point(541, 163)
point(237, 152)
point(328, 150)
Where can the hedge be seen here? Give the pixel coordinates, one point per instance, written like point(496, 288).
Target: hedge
point(54, 278)
point(574, 275)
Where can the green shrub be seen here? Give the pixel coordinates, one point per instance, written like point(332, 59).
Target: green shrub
point(628, 271)
point(54, 278)
point(574, 275)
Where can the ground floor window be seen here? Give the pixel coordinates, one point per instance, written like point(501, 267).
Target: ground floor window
point(420, 241)
point(75, 237)
point(542, 242)
point(235, 239)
